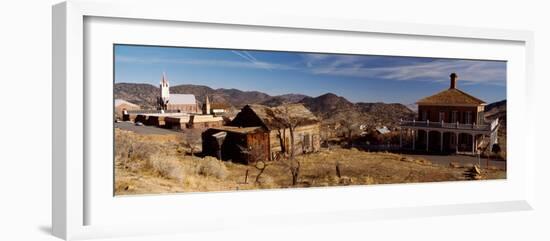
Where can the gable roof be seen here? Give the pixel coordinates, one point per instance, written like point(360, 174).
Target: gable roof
point(121, 101)
point(270, 115)
point(451, 96)
point(182, 99)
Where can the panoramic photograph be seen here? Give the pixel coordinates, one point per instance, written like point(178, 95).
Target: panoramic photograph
point(190, 119)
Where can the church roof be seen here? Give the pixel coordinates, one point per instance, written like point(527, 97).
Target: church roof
point(451, 96)
point(182, 99)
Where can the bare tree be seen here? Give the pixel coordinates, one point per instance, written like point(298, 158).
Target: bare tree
point(325, 134)
point(281, 134)
point(261, 159)
point(290, 121)
point(294, 166)
point(261, 166)
point(338, 173)
point(349, 128)
point(191, 139)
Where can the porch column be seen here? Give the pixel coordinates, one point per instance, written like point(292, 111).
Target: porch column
point(441, 150)
point(491, 143)
point(456, 145)
point(400, 138)
point(427, 139)
point(473, 144)
point(413, 137)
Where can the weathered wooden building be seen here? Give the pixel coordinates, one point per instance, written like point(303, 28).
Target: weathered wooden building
point(261, 132)
point(238, 144)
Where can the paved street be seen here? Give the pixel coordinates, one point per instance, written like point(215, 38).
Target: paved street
point(144, 130)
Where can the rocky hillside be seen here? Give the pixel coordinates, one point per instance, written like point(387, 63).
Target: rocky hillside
point(145, 95)
point(283, 99)
point(333, 108)
point(496, 109)
point(329, 107)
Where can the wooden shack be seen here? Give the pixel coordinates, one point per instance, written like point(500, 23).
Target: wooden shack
point(262, 132)
point(243, 145)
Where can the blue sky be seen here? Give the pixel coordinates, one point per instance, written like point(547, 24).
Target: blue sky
point(358, 78)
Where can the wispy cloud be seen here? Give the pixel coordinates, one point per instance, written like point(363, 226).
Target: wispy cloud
point(433, 70)
point(357, 66)
point(251, 64)
point(247, 56)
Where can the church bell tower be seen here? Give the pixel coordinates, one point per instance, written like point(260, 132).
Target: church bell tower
point(164, 92)
point(206, 106)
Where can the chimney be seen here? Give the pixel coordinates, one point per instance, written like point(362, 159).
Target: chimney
point(454, 78)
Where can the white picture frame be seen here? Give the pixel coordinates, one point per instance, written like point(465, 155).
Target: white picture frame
point(75, 190)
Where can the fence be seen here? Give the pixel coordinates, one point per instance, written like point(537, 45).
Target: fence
point(447, 125)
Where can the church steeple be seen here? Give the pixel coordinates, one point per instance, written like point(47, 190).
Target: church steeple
point(164, 92)
point(206, 106)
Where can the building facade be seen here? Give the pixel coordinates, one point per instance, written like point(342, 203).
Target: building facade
point(122, 108)
point(450, 121)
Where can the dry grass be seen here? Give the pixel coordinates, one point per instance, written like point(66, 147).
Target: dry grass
point(166, 166)
point(157, 165)
point(210, 166)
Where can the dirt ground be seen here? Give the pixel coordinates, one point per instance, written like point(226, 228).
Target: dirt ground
point(153, 164)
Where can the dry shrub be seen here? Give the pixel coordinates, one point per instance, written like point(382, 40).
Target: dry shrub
point(166, 166)
point(368, 180)
point(191, 182)
point(211, 167)
point(454, 164)
point(266, 182)
point(128, 148)
point(423, 161)
point(406, 159)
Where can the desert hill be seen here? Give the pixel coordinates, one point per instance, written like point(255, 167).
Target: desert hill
point(329, 107)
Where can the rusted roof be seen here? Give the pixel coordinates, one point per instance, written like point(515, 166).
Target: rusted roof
point(219, 105)
point(274, 117)
point(451, 96)
point(242, 130)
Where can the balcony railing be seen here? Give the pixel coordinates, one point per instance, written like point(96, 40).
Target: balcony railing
point(447, 125)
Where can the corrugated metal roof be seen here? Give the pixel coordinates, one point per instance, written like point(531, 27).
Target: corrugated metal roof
point(270, 115)
point(182, 99)
point(121, 101)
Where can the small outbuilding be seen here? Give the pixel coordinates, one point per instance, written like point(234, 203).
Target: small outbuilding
point(123, 107)
point(262, 132)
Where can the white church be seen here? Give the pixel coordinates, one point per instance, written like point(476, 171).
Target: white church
point(185, 103)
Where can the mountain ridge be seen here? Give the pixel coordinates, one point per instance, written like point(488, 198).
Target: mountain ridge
point(330, 107)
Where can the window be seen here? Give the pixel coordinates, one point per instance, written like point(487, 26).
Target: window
point(441, 116)
point(424, 115)
point(307, 141)
point(480, 117)
point(468, 119)
point(454, 116)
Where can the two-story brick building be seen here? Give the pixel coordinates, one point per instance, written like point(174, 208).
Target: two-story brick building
point(451, 120)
